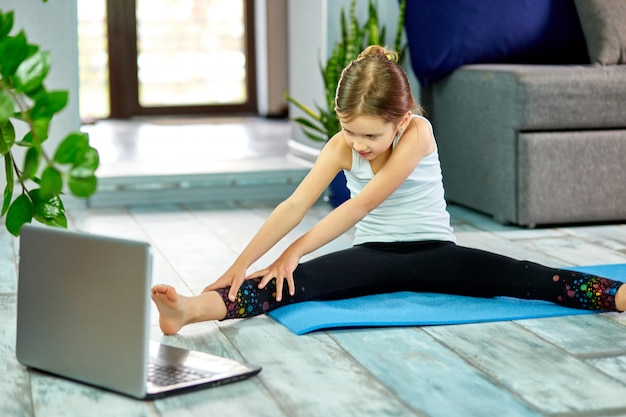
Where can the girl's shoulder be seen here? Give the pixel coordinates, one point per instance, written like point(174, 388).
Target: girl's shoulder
point(337, 148)
point(419, 134)
point(423, 125)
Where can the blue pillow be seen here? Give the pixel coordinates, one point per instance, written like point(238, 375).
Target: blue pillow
point(446, 34)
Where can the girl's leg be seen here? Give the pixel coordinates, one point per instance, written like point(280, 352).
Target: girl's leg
point(359, 270)
point(460, 270)
point(176, 311)
point(319, 278)
point(428, 267)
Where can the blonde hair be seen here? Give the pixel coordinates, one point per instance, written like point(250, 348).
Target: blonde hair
point(374, 85)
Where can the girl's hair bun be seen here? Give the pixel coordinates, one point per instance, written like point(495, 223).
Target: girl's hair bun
point(377, 50)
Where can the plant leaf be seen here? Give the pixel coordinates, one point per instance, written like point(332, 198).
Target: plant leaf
point(48, 103)
point(51, 182)
point(58, 221)
point(31, 162)
point(397, 45)
point(27, 140)
point(7, 137)
point(329, 119)
point(6, 24)
point(314, 137)
point(45, 207)
point(6, 106)
point(39, 130)
point(353, 31)
point(375, 36)
point(14, 50)
point(306, 123)
point(86, 163)
point(32, 71)
point(83, 186)
point(20, 212)
point(8, 189)
point(71, 147)
point(304, 108)
point(48, 210)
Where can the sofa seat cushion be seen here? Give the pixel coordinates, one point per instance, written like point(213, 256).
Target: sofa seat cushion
point(551, 97)
point(569, 177)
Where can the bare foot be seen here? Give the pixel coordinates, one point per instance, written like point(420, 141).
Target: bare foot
point(620, 298)
point(176, 311)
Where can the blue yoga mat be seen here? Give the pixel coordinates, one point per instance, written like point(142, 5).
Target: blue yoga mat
point(424, 309)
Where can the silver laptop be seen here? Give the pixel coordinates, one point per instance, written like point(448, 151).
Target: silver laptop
point(83, 313)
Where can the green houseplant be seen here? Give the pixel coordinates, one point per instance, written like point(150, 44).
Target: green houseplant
point(34, 187)
point(321, 124)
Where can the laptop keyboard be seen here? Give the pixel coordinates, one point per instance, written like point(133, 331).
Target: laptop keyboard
point(164, 375)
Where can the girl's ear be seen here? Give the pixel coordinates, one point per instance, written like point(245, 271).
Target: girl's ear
point(404, 122)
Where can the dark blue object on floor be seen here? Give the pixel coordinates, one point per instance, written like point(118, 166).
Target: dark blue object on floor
point(338, 192)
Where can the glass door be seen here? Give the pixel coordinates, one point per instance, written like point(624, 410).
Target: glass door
point(168, 57)
point(191, 53)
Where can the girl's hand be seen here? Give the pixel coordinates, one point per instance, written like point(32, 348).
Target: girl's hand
point(232, 278)
point(282, 269)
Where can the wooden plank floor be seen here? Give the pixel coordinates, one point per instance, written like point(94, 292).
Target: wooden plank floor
point(568, 366)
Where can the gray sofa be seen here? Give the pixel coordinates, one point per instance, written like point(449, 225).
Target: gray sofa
point(535, 144)
point(532, 144)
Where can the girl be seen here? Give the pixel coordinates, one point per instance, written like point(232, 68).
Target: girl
point(403, 239)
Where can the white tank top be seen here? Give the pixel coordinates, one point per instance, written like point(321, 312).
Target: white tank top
point(416, 211)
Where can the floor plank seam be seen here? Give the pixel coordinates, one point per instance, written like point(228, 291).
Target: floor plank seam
point(260, 378)
point(390, 392)
point(608, 375)
point(615, 318)
point(604, 243)
point(599, 355)
point(29, 386)
point(582, 357)
point(606, 412)
point(543, 339)
point(491, 378)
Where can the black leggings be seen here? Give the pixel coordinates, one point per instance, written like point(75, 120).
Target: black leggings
point(431, 266)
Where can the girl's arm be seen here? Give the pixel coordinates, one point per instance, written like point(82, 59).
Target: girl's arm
point(416, 143)
point(287, 215)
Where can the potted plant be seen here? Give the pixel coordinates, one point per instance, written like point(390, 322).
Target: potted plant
point(321, 123)
point(34, 187)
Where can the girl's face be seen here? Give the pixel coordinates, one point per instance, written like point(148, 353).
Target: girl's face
point(369, 136)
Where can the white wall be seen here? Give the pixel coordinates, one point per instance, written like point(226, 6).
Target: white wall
point(53, 26)
point(306, 45)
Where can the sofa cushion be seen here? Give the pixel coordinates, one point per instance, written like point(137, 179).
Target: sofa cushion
point(549, 97)
point(604, 27)
point(571, 176)
point(446, 34)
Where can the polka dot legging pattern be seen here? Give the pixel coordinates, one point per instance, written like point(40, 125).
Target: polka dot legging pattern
point(587, 291)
